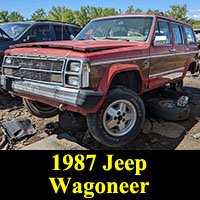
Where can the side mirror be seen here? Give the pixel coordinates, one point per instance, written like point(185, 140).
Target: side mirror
point(71, 37)
point(30, 38)
point(160, 40)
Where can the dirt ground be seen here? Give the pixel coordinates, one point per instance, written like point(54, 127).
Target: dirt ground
point(156, 134)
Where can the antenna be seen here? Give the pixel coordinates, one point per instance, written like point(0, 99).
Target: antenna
point(62, 36)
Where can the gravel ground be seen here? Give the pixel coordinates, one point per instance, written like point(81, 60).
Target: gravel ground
point(152, 136)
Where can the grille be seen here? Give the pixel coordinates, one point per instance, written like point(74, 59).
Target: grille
point(36, 69)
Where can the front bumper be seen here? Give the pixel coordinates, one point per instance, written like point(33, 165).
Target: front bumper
point(85, 99)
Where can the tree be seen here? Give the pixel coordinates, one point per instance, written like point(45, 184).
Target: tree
point(39, 14)
point(4, 17)
point(56, 13)
point(82, 16)
point(15, 16)
point(178, 12)
point(131, 10)
point(87, 13)
point(109, 11)
point(149, 11)
point(138, 10)
point(60, 13)
point(68, 16)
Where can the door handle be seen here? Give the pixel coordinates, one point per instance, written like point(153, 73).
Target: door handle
point(172, 50)
point(186, 49)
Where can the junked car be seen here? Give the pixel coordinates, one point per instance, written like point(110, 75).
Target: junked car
point(103, 72)
point(35, 31)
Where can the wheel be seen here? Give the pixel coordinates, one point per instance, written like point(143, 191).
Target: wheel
point(177, 86)
point(70, 121)
point(119, 119)
point(39, 109)
point(166, 109)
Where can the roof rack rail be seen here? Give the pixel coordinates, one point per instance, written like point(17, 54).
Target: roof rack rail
point(161, 13)
point(47, 20)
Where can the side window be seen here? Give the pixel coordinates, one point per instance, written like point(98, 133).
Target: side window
point(178, 34)
point(76, 30)
point(41, 32)
point(61, 33)
point(189, 35)
point(162, 29)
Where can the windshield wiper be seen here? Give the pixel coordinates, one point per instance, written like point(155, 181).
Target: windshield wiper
point(111, 38)
point(91, 38)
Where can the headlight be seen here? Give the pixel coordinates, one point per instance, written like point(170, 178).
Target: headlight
point(75, 66)
point(73, 80)
point(77, 74)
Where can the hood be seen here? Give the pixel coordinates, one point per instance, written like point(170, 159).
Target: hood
point(80, 45)
point(3, 32)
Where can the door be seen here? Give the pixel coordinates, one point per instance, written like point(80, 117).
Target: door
point(162, 57)
point(181, 50)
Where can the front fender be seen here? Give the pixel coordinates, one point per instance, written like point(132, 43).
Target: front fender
point(107, 78)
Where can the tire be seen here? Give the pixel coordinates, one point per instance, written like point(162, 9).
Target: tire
point(119, 119)
point(70, 121)
point(39, 109)
point(172, 94)
point(166, 109)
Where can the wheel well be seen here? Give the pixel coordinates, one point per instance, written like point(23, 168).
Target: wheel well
point(192, 68)
point(130, 79)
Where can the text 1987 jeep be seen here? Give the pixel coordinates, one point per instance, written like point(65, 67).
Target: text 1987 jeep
point(102, 73)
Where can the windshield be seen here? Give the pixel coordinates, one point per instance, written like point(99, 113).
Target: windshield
point(124, 28)
point(13, 30)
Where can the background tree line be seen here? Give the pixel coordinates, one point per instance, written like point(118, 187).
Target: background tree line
point(87, 13)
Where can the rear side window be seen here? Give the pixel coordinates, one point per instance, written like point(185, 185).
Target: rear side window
point(76, 30)
point(162, 29)
point(190, 35)
point(61, 33)
point(178, 34)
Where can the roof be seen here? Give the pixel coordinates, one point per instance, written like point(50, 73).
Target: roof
point(143, 15)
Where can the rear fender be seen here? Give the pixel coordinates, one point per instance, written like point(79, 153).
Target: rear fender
point(187, 65)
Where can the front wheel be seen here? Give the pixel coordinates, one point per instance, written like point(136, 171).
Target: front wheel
point(119, 119)
point(39, 109)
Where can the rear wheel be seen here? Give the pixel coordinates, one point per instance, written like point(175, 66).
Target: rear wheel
point(119, 119)
point(39, 109)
